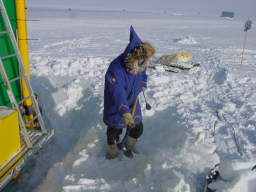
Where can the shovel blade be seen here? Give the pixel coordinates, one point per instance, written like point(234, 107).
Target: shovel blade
point(148, 107)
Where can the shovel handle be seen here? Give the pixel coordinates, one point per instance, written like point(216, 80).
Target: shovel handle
point(121, 144)
point(134, 107)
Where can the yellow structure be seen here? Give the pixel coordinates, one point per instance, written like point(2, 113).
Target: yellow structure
point(10, 134)
point(21, 12)
point(23, 33)
point(22, 128)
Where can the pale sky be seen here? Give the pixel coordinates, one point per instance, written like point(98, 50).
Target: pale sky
point(241, 7)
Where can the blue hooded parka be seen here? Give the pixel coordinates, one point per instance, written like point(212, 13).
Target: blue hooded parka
point(122, 88)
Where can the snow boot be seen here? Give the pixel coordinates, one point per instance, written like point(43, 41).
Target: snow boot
point(112, 151)
point(129, 145)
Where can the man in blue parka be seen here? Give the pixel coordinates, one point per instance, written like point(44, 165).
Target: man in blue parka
point(124, 80)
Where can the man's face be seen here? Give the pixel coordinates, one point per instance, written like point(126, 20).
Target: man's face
point(140, 65)
point(143, 62)
point(137, 65)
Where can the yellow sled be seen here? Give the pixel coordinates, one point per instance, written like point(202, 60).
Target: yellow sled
point(177, 62)
point(177, 58)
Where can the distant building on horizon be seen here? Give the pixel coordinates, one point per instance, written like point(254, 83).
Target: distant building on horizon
point(228, 14)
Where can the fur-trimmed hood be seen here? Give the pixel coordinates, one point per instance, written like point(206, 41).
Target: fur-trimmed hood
point(137, 54)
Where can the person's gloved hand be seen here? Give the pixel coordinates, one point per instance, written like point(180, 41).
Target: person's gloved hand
point(128, 119)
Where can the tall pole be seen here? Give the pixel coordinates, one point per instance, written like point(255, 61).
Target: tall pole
point(247, 27)
point(245, 39)
point(21, 11)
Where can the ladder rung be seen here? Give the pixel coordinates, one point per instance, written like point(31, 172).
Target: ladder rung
point(15, 79)
point(4, 32)
point(32, 120)
point(25, 99)
point(9, 56)
point(34, 134)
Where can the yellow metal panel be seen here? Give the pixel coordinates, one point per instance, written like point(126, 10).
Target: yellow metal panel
point(15, 162)
point(9, 134)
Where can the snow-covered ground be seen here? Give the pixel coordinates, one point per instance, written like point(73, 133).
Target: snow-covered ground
point(199, 118)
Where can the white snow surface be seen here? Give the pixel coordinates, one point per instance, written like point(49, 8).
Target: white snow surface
point(196, 115)
point(188, 40)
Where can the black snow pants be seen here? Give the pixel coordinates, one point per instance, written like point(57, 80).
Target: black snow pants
point(113, 134)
